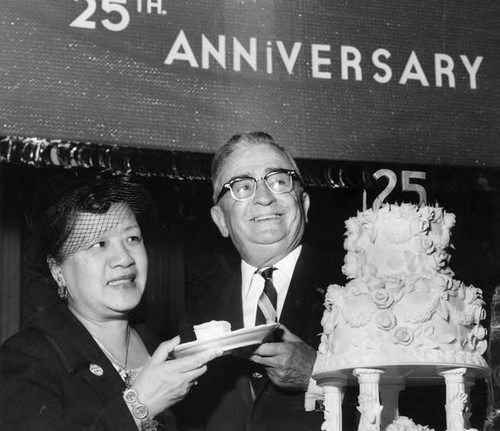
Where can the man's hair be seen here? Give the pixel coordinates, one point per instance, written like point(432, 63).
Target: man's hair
point(242, 140)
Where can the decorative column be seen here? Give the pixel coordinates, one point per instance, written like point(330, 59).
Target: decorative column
point(389, 394)
point(468, 384)
point(334, 394)
point(456, 398)
point(369, 402)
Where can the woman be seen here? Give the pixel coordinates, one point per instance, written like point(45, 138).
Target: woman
point(81, 364)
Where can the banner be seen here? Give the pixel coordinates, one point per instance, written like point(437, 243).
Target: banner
point(394, 81)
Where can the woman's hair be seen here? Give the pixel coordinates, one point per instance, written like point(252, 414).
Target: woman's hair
point(65, 198)
point(242, 140)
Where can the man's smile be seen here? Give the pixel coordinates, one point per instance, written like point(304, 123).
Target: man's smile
point(266, 217)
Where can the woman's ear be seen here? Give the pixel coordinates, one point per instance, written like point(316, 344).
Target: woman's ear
point(55, 270)
point(219, 219)
point(57, 275)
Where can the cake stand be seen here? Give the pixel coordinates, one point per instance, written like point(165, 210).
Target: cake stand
point(380, 385)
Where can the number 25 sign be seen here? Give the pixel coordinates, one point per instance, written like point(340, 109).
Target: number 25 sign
point(406, 185)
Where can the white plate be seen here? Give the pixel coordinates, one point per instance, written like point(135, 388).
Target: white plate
point(228, 341)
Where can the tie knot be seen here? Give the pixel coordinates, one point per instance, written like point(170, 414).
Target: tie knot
point(267, 273)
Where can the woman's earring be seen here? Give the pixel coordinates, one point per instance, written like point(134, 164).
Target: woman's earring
point(62, 291)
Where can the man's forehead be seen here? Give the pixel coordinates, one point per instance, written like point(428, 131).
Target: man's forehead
point(254, 161)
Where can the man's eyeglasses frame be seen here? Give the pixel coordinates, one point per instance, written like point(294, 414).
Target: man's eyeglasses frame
point(293, 175)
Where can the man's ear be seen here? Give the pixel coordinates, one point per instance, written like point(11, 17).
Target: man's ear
point(305, 204)
point(220, 220)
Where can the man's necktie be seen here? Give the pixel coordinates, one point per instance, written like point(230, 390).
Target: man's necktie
point(266, 313)
point(266, 309)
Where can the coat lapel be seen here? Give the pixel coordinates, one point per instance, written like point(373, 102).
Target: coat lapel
point(296, 299)
point(79, 353)
point(229, 302)
point(231, 309)
point(303, 307)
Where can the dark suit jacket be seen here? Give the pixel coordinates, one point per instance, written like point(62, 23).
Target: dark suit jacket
point(222, 400)
point(46, 383)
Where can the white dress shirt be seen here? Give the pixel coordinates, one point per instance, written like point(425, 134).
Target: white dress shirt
point(253, 285)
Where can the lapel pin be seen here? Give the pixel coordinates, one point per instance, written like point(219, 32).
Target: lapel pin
point(96, 369)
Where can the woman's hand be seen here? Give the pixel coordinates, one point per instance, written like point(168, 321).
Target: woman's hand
point(162, 382)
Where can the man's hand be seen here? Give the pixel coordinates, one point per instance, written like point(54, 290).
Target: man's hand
point(289, 363)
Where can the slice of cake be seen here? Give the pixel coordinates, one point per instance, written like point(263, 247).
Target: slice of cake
point(212, 329)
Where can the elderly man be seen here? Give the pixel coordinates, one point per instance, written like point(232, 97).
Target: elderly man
point(261, 205)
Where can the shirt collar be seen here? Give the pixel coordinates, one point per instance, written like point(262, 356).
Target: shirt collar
point(285, 265)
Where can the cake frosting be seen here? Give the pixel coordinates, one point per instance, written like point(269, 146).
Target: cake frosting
point(208, 330)
point(406, 424)
point(402, 304)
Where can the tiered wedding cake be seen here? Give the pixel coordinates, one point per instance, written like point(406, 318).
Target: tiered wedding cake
point(402, 305)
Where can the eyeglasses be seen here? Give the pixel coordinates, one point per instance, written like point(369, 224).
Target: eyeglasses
point(243, 188)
